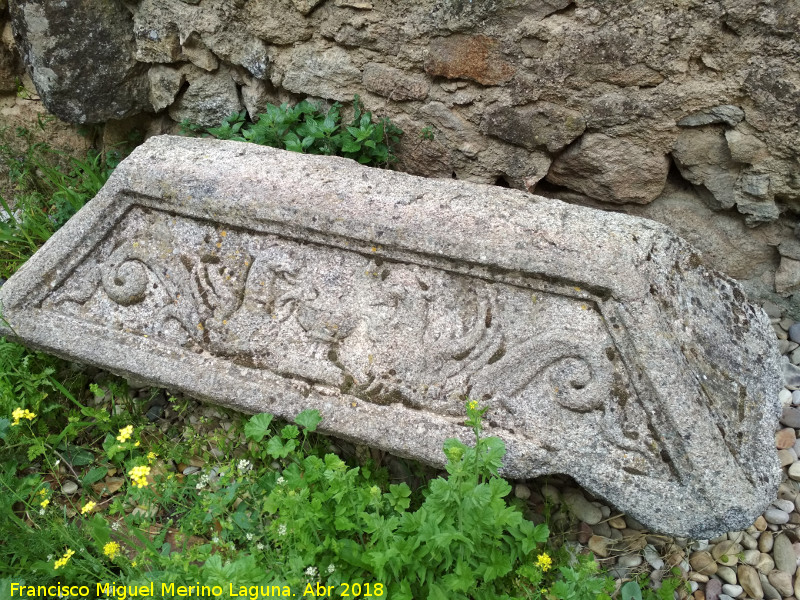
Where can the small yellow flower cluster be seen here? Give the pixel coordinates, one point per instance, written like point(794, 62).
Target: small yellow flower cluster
point(111, 549)
point(90, 506)
point(20, 413)
point(125, 433)
point(544, 562)
point(472, 405)
point(151, 456)
point(45, 500)
point(64, 559)
point(139, 475)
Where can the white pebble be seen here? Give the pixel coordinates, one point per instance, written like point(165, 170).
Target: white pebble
point(784, 505)
point(629, 560)
point(732, 590)
point(785, 396)
point(796, 398)
point(794, 471)
point(69, 487)
point(652, 557)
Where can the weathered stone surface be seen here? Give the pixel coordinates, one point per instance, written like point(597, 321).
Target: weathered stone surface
point(326, 73)
point(729, 114)
point(81, 61)
point(703, 158)
point(198, 53)
point(541, 125)
point(165, 83)
point(209, 98)
point(641, 71)
point(611, 169)
point(305, 6)
point(273, 281)
point(394, 83)
point(9, 69)
point(275, 22)
point(787, 277)
point(474, 57)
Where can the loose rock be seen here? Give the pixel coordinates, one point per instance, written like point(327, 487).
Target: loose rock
point(727, 574)
point(783, 554)
point(770, 593)
point(732, 590)
point(765, 541)
point(760, 523)
point(583, 509)
point(790, 416)
point(69, 487)
point(784, 504)
point(652, 557)
point(713, 589)
point(776, 516)
point(630, 560)
point(749, 580)
point(785, 438)
point(703, 562)
point(725, 553)
point(782, 582)
point(765, 564)
point(618, 522)
point(787, 457)
point(599, 545)
point(522, 491)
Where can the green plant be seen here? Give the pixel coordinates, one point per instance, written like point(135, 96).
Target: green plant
point(640, 590)
point(307, 128)
point(426, 133)
point(46, 195)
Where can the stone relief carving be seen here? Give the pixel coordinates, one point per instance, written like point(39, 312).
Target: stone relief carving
point(380, 330)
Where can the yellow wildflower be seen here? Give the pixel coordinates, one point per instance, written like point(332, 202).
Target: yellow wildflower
point(139, 475)
point(89, 507)
point(473, 404)
point(20, 413)
point(44, 503)
point(544, 562)
point(136, 445)
point(125, 433)
point(151, 456)
point(111, 549)
point(64, 559)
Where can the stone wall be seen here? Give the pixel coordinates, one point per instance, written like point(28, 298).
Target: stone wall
point(683, 111)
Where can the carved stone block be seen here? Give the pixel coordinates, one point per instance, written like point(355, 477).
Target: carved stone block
point(271, 281)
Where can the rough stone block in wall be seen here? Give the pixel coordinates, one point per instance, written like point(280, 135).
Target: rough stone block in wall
point(81, 59)
point(271, 281)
